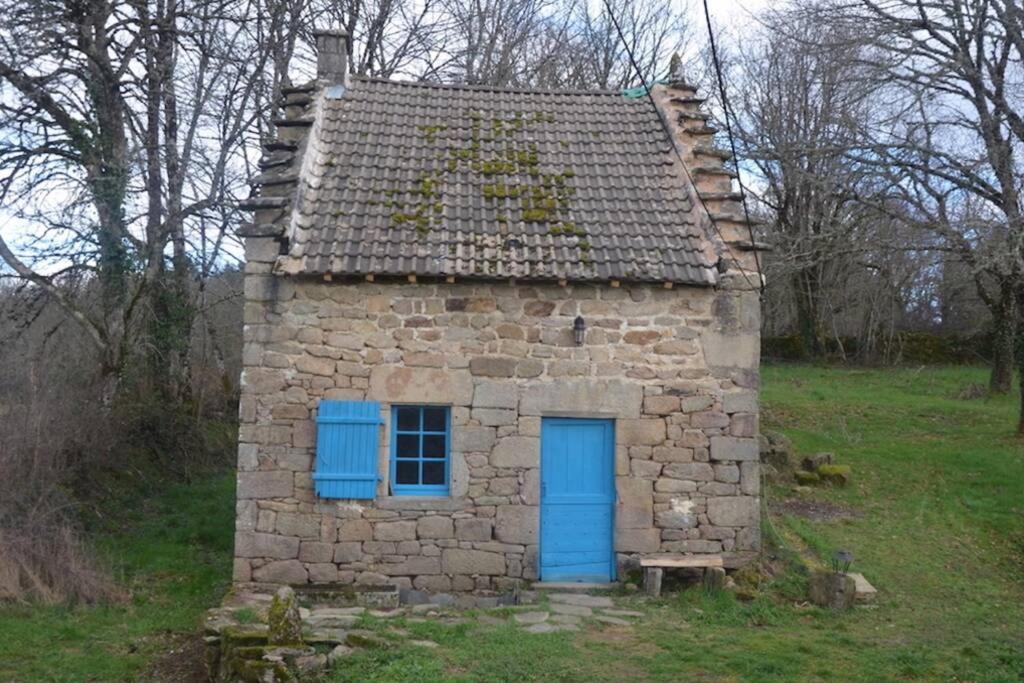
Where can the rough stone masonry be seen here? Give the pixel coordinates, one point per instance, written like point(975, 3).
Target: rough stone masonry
point(676, 369)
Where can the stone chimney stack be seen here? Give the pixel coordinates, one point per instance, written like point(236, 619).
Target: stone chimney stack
point(332, 56)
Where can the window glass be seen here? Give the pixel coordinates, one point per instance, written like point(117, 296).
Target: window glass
point(433, 446)
point(408, 419)
point(420, 462)
point(435, 419)
point(407, 472)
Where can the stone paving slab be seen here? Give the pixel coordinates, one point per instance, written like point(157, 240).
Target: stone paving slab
point(575, 610)
point(615, 621)
point(581, 599)
point(530, 617)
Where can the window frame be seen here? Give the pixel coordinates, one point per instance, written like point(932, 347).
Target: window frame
point(438, 490)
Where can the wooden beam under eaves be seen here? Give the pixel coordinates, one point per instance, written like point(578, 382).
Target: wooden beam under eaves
point(369, 277)
point(328, 277)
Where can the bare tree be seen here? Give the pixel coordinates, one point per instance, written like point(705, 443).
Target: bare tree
point(133, 121)
point(953, 76)
point(802, 109)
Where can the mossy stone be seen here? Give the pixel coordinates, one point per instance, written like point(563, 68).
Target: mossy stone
point(283, 620)
point(364, 640)
point(805, 477)
point(259, 671)
point(241, 636)
point(838, 475)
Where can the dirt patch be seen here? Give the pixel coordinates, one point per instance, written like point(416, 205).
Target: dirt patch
point(181, 660)
point(620, 637)
point(815, 510)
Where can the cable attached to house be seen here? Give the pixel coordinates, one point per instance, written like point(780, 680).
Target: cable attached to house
point(668, 131)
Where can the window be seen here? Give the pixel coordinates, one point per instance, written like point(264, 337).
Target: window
point(419, 450)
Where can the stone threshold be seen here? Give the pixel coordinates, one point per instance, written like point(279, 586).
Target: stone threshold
point(575, 586)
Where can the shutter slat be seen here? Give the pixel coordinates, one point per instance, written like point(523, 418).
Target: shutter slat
point(348, 434)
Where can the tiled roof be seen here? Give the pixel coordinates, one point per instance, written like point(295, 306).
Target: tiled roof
point(402, 178)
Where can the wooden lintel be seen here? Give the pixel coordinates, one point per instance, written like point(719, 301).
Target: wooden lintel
point(412, 278)
point(369, 277)
point(614, 283)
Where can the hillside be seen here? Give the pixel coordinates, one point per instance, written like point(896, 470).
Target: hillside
point(934, 517)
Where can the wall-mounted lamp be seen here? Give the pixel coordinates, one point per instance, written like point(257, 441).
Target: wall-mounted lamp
point(579, 329)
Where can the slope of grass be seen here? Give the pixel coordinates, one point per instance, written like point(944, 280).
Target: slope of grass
point(938, 487)
point(172, 553)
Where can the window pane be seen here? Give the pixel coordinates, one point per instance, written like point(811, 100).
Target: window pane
point(407, 472)
point(433, 473)
point(407, 446)
point(408, 419)
point(433, 446)
point(434, 420)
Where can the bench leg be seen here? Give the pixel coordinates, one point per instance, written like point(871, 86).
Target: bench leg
point(714, 578)
point(652, 581)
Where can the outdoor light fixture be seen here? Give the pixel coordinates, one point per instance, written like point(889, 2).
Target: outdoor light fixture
point(579, 328)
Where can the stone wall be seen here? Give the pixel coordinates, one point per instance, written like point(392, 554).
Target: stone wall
point(676, 368)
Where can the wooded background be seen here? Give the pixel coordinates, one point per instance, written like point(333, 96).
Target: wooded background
point(877, 143)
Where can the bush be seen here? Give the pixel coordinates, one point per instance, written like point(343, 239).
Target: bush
point(42, 555)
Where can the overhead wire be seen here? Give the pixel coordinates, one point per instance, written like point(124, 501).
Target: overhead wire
point(668, 131)
point(727, 110)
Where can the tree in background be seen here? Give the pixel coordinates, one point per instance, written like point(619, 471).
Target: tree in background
point(952, 76)
point(127, 134)
point(799, 112)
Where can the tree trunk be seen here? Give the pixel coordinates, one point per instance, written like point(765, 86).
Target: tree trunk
point(805, 292)
point(1019, 353)
point(1003, 327)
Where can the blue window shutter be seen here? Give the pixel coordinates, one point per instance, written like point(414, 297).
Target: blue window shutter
point(347, 447)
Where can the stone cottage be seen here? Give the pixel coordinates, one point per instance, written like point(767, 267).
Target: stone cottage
point(493, 336)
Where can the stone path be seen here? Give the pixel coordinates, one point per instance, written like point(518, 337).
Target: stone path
point(567, 611)
point(340, 631)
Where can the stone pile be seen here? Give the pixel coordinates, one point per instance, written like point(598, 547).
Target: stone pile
point(821, 468)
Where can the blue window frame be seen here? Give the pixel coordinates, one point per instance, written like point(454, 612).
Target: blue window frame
point(420, 462)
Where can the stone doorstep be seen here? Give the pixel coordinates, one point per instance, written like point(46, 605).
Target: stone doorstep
point(577, 587)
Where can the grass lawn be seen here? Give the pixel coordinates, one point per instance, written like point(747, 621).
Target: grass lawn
point(172, 553)
point(938, 527)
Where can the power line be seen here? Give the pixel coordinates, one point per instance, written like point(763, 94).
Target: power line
point(732, 141)
point(668, 131)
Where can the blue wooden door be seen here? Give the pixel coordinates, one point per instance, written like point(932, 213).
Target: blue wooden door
point(577, 472)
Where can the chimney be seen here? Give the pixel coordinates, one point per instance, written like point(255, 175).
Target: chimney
point(332, 52)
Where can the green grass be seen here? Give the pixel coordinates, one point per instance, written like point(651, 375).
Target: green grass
point(938, 483)
point(171, 552)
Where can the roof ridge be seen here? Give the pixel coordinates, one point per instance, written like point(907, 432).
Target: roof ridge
point(486, 88)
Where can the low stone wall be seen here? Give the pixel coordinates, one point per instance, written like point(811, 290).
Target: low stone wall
point(676, 369)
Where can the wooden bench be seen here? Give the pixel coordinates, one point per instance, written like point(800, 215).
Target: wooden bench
point(654, 568)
